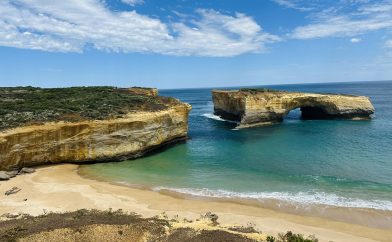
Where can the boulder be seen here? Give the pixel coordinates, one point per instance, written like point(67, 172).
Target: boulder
point(25, 170)
point(12, 173)
point(4, 176)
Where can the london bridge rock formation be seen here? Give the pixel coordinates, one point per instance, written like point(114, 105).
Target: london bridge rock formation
point(42, 126)
point(255, 107)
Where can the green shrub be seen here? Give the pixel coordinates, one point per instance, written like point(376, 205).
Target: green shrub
point(258, 90)
point(291, 237)
point(271, 239)
point(23, 105)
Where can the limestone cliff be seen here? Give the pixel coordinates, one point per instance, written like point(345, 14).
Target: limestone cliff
point(255, 107)
point(141, 91)
point(99, 140)
point(82, 124)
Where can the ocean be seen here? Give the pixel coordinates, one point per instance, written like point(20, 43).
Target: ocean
point(315, 167)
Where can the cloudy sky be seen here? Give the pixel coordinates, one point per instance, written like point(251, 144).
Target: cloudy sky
point(185, 43)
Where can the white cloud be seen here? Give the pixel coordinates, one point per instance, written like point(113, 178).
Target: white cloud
point(355, 40)
point(295, 4)
point(286, 3)
point(70, 26)
point(335, 22)
point(388, 44)
point(133, 2)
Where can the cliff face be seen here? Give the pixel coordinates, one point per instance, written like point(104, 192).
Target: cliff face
point(112, 139)
point(141, 91)
point(260, 107)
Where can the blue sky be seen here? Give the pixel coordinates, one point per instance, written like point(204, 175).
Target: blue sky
point(184, 43)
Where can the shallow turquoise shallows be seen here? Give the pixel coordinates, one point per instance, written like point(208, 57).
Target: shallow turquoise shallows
point(325, 162)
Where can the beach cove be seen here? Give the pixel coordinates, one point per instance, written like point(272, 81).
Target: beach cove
point(59, 189)
point(336, 169)
point(328, 178)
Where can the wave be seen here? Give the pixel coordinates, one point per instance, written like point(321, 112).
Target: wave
point(299, 199)
point(215, 117)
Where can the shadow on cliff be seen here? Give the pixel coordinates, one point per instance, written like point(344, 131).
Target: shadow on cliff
point(146, 153)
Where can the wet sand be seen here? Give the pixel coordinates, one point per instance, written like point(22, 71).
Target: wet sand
point(60, 189)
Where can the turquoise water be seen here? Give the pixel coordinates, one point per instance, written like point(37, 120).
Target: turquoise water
point(339, 163)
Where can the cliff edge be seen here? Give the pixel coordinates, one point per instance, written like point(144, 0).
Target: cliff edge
point(255, 107)
point(85, 124)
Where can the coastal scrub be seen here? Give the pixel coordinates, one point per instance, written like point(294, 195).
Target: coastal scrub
point(31, 105)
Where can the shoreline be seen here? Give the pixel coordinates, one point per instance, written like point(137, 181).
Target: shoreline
point(369, 217)
point(60, 188)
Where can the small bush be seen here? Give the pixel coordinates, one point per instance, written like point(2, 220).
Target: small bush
point(271, 239)
point(291, 237)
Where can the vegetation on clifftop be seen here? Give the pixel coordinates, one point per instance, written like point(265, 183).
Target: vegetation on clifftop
point(258, 90)
point(29, 105)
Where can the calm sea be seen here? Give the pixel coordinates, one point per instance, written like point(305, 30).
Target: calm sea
point(296, 166)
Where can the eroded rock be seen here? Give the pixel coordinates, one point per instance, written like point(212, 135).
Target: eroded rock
point(26, 170)
point(255, 107)
point(4, 176)
point(129, 126)
point(12, 173)
point(141, 91)
point(103, 140)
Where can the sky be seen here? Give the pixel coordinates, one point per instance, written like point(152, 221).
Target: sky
point(187, 43)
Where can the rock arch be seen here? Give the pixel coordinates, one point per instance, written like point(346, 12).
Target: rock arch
point(255, 107)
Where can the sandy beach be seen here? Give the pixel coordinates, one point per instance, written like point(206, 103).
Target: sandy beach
point(59, 189)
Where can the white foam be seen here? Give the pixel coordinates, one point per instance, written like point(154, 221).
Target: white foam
point(215, 117)
point(300, 198)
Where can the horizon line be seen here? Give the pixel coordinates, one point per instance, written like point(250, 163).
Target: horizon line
point(209, 87)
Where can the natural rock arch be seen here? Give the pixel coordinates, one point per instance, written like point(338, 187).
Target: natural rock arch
point(312, 108)
point(254, 107)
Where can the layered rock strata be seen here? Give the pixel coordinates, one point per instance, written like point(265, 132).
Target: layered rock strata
point(255, 107)
point(142, 91)
point(114, 138)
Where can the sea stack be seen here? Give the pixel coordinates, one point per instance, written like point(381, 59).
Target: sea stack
point(257, 107)
point(85, 124)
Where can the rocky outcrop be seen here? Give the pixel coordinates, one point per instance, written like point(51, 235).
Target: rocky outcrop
point(141, 91)
point(255, 107)
point(93, 140)
point(4, 176)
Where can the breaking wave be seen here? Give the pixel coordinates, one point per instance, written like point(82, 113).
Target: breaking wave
point(215, 117)
point(300, 198)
